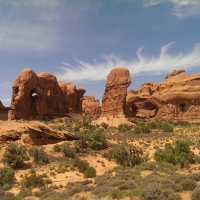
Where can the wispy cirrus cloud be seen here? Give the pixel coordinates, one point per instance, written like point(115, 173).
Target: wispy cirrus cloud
point(163, 63)
point(181, 9)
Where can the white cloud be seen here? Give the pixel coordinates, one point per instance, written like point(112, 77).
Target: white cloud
point(164, 63)
point(181, 9)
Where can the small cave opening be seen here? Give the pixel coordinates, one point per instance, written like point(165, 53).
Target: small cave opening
point(134, 109)
point(184, 107)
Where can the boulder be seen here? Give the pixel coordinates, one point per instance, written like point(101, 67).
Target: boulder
point(42, 135)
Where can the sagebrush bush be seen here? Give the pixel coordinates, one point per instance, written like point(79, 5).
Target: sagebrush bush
point(84, 167)
point(196, 194)
point(167, 128)
point(124, 127)
point(142, 128)
point(68, 151)
point(33, 181)
point(156, 192)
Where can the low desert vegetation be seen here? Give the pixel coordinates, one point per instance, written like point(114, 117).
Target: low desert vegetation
point(151, 159)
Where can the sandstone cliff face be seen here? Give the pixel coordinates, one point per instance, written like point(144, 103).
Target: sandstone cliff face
point(114, 98)
point(177, 97)
point(91, 106)
point(41, 95)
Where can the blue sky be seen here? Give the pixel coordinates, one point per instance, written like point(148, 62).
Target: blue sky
point(82, 40)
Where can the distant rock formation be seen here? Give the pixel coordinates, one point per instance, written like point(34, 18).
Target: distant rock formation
point(3, 112)
point(72, 97)
point(41, 95)
point(91, 106)
point(177, 97)
point(114, 98)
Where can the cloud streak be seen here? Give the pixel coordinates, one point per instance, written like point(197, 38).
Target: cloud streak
point(181, 9)
point(164, 63)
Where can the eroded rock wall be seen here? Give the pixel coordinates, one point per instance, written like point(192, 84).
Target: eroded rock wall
point(177, 97)
point(41, 95)
point(91, 106)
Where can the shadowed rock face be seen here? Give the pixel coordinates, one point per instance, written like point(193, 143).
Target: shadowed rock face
point(91, 106)
point(114, 98)
point(3, 112)
point(41, 95)
point(177, 97)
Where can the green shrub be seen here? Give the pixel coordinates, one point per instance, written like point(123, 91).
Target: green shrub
point(6, 178)
point(181, 123)
point(39, 155)
point(84, 167)
point(177, 154)
point(90, 172)
point(57, 148)
point(33, 181)
point(127, 156)
point(167, 128)
point(142, 128)
point(124, 127)
point(23, 193)
point(104, 125)
point(77, 128)
point(196, 194)
point(15, 155)
point(98, 141)
point(68, 152)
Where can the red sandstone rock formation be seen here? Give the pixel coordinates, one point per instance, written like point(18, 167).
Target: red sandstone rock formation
point(72, 97)
point(114, 98)
point(3, 112)
point(177, 97)
point(41, 95)
point(91, 106)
